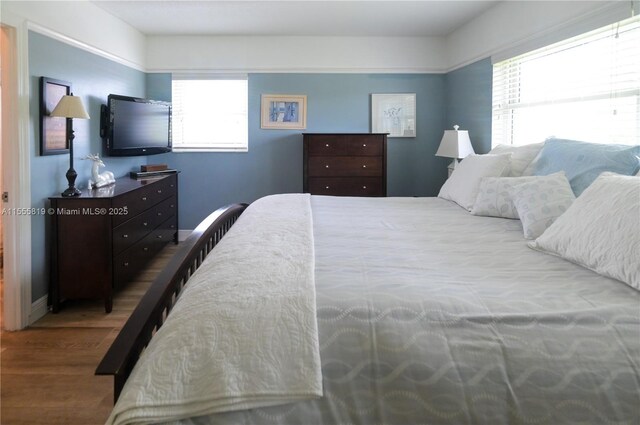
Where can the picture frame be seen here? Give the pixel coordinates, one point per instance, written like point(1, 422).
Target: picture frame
point(394, 114)
point(283, 112)
point(54, 131)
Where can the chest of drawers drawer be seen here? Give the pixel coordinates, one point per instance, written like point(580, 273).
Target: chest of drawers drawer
point(345, 186)
point(322, 145)
point(345, 166)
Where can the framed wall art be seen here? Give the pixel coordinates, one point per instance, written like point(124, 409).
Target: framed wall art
point(283, 112)
point(394, 114)
point(54, 134)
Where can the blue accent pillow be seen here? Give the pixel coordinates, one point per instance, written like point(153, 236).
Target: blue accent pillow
point(583, 162)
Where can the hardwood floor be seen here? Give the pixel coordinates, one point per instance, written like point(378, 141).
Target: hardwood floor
point(47, 369)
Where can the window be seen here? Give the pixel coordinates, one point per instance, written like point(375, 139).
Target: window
point(585, 88)
point(209, 114)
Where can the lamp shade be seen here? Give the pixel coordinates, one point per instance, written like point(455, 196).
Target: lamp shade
point(70, 107)
point(455, 144)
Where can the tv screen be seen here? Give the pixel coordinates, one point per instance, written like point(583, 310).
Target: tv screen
point(137, 126)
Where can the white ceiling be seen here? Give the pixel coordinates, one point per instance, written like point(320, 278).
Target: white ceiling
point(299, 18)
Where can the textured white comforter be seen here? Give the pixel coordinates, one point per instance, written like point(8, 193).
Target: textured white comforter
point(242, 335)
point(429, 315)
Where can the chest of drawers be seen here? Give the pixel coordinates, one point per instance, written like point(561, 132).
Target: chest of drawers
point(345, 164)
point(102, 239)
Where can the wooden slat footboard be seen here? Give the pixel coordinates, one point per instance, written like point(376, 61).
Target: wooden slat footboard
point(155, 305)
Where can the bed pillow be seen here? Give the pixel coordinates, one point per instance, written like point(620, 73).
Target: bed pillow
point(541, 201)
point(494, 199)
point(601, 230)
point(583, 162)
point(462, 186)
point(521, 157)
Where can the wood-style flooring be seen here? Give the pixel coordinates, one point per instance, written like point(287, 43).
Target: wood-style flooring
point(47, 369)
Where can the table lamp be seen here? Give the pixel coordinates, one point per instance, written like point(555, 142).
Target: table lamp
point(70, 107)
point(455, 144)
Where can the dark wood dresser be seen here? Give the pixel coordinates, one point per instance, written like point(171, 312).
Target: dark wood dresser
point(102, 239)
point(345, 164)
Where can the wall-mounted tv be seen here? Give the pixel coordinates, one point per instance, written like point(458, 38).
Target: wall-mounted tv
point(132, 126)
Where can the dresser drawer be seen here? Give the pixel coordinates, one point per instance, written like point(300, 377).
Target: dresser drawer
point(365, 146)
point(326, 145)
point(127, 264)
point(345, 166)
point(139, 226)
point(346, 186)
point(143, 198)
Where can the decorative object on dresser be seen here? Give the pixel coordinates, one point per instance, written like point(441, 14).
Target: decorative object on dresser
point(99, 179)
point(54, 136)
point(283, 112)
point(394, 114)
point(70, 107)
point(154, 167)
point(103, 238)
point(455, 144)
point(345, 164)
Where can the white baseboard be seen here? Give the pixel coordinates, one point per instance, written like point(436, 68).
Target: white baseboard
point(38, 309)
point(183, 234)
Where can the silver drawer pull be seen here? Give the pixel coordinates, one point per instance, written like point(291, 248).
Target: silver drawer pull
point(326, 187)
point(364, 166)
point(172, 206)
point(159, 214)
point(364, 145)
point(327, 145)
point(146, 248)
point(364, 187)
point(171, 185)
point(144, 198)
point(145, 224)
point(126, 264)
point(326, 166)
point(159, 190)
point(159, 236)
point(125, 236)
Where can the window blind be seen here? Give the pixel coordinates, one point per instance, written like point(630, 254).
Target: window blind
point(209, 113)
point(584, 88)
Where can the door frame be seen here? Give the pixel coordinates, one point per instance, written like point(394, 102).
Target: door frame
point(16, 174)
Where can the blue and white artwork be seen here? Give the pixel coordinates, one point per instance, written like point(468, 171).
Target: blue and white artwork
point(284, 112)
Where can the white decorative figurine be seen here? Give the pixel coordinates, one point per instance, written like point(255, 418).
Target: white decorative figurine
point(99, 179)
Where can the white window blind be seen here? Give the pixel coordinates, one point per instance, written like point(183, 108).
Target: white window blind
point(209, 114)
point(584, 88)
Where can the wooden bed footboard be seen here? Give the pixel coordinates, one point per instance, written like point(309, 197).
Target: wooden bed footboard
point(157, 302)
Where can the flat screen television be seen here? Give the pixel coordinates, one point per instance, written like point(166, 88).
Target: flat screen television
point(133, 126)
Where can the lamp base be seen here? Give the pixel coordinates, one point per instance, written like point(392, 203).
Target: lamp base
point(71, 191)
point(452, 166)
point(71, 175)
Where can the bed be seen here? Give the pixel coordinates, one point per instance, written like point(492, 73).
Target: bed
point(424, 314)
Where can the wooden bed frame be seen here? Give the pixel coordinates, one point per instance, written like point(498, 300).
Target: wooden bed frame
point(156, 304)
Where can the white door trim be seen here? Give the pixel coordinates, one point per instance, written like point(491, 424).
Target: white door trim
point(16, 170)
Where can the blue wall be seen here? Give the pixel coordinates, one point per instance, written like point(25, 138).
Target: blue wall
point(468, 104)
point(93, 78)
point(336, 103)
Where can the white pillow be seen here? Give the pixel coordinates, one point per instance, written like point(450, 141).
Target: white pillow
point(541, 201)
point(462, 186)
point(521, 157)
point(494, 199)
point(601, 230)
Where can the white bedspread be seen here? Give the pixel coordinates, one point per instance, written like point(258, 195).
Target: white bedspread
point(268, 353)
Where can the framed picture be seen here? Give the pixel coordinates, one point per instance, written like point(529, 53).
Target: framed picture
point(394, 114)
point(283, 111)
point(54, 134)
